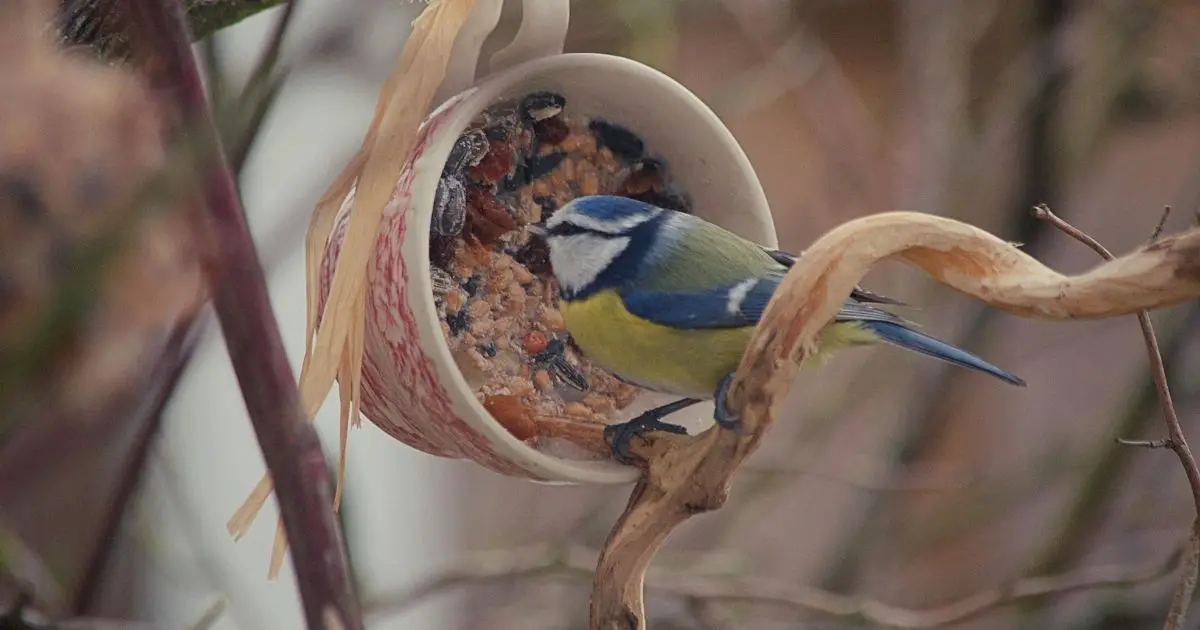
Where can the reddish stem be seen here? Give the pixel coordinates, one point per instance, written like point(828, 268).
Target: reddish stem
point(289, 443)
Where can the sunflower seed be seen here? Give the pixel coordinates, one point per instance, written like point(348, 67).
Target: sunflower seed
point(542, 105)
point(449, 207)
point(539, 166)
point(468, 150)
point(443, 282)
point(621, 141)
point(568, 373)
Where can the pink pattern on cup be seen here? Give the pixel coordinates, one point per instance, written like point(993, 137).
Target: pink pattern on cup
point(401, 391)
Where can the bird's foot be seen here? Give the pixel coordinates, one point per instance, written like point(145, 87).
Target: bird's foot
point(721, 414)
point(618, 436)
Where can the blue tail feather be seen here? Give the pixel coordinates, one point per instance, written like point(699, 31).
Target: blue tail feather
point(910, 339)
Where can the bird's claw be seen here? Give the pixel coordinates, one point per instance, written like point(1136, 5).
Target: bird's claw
point(620, 435)
point(721, 414)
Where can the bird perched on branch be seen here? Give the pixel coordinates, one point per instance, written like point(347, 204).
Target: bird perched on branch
point(668, 301)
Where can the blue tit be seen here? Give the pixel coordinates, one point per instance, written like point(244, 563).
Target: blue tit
point(668, 301)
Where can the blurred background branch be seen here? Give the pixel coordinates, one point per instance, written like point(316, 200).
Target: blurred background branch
point(541, 562)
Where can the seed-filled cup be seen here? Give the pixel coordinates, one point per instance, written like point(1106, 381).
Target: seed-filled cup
point(416, 386)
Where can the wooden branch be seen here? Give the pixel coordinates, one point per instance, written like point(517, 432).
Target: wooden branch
point(687, 475)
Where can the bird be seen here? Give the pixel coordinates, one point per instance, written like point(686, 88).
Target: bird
point(668, 301)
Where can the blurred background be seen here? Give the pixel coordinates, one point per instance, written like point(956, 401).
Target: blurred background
point(889, 479)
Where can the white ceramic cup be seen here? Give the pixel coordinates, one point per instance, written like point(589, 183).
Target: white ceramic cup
point(412, 387)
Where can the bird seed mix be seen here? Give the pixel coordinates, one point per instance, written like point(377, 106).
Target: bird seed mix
point(517, 163)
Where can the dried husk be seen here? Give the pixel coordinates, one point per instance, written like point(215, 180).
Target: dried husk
point(335, 347)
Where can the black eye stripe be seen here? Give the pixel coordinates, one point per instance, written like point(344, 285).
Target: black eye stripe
point(570, 229)
point(565, 229)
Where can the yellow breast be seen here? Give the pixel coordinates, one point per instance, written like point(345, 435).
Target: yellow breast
point(683, 362)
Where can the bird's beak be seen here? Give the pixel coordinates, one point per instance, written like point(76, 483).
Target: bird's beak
point(538, 231)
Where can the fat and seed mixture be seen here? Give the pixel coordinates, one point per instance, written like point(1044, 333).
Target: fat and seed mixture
point(516, 164)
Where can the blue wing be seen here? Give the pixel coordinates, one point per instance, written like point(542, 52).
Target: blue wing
point(727, 306)
point(743, 303)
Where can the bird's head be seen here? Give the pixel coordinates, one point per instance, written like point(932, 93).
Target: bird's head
point(600, 241)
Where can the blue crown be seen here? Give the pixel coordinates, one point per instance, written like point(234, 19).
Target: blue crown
point(612, 209)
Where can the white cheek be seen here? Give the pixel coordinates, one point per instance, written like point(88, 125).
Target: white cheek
point(579, 258)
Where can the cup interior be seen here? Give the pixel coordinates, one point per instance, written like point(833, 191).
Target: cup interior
point(703, 160)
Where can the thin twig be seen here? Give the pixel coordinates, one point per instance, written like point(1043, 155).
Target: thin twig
point(1042, 213)
point(270, 55)
point(249, 115)
point(290, 446)
point(542, 561)
point(1175, 439)
point(260, 91)
point(1160, 443)
point(214, 67)
point(173, 363)
point(1162, 223)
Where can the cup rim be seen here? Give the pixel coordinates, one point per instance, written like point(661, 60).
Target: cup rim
point(470, 102)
